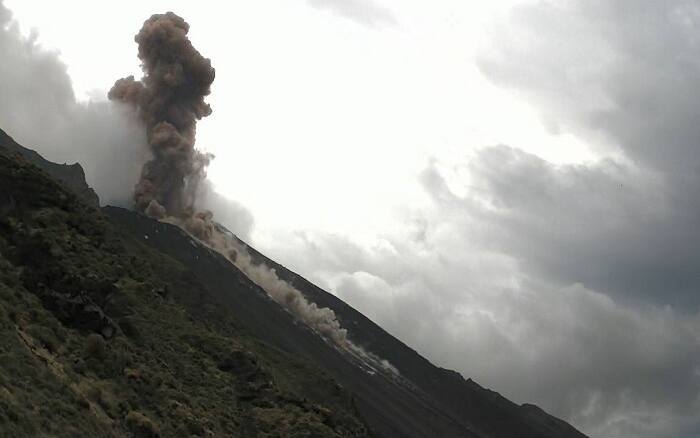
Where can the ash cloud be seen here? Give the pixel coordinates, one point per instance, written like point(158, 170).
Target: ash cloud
point(169, 100)
point(39, 109)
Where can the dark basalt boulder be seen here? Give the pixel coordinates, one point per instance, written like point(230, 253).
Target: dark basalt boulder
point(80, 313)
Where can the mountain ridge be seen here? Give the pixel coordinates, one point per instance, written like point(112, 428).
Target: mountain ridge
point(71, 175)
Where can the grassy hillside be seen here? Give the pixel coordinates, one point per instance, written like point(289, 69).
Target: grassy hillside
point(103, 336)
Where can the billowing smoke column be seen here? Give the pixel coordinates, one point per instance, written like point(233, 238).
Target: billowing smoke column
point(169, 99)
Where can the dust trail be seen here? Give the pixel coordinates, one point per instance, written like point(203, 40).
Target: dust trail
point(322, 320)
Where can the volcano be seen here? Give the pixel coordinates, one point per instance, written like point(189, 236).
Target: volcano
point(117, 324)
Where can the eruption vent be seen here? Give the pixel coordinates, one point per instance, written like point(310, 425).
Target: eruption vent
point(169, 100)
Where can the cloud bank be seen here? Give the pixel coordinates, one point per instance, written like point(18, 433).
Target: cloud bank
point(571, 286)
point(365, 12)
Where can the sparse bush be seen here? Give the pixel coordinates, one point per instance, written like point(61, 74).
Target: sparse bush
point(95, 346)
point(104, 398)
point(141, 425)
point(94, 393)
point(45, 335)
point(128, 327)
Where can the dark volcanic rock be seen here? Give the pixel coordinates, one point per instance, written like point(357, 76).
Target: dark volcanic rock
point(79, 312)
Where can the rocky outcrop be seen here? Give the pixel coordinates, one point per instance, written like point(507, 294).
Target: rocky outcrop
point(71, 175)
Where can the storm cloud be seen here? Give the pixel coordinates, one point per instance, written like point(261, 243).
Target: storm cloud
point(630, 229)
point(572, 286)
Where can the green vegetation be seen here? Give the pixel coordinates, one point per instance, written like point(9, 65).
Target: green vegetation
point(102, 336)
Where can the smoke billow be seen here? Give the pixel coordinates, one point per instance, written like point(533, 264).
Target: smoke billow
point(169, 100)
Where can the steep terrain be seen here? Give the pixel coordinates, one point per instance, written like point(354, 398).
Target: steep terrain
point(103, 336)
point(482, 410)
point(71, 175)
point(137, 329)
point(426, 401)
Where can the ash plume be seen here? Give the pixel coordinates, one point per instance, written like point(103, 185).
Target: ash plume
point(169, 100)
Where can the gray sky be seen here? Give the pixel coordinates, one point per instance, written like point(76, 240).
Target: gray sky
point(510, 189)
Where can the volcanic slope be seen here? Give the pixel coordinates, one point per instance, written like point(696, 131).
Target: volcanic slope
point(103, 336)
point(135, 323)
